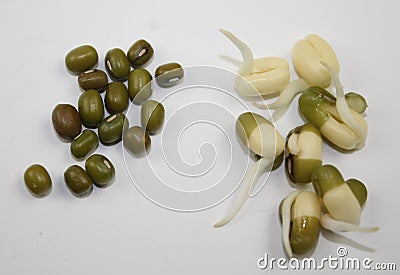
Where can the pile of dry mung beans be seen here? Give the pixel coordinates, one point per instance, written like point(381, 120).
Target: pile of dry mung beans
point(91, 114)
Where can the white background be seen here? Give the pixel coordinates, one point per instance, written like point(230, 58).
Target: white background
point(117, 230)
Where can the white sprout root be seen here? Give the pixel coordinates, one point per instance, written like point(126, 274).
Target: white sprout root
point(244, 190)
point(286, 213)
point(345, 113)
point(286, 97)
point(247, 55)
point(262, 166)
point(331, 224)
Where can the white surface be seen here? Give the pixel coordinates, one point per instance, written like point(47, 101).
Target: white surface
point(119, 231)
